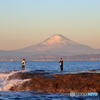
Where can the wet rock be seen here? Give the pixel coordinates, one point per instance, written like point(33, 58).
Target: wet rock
point(82, 82)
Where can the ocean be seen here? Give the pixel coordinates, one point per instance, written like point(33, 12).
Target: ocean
point(8, 68)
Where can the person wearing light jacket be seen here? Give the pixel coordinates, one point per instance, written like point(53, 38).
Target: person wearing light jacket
point(23, 64)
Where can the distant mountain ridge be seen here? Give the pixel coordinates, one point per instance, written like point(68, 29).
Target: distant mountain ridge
point(55, 46)
point(58, 44)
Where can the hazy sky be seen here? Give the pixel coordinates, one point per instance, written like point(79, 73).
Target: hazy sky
point(28, 22)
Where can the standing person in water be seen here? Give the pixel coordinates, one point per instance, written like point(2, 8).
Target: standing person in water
point(23, 64)
point(61, 64)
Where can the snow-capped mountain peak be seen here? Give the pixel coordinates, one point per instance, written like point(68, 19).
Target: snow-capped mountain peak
point(57, 39)
point(58, 45)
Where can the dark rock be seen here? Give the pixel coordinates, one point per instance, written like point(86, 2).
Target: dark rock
point(82, 82)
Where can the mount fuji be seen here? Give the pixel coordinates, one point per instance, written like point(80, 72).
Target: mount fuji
point(58, 45)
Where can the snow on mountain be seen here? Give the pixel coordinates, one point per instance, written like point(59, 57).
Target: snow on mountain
point(53, 47)
point(57, 40)
point(59, 45)
point(55, 43)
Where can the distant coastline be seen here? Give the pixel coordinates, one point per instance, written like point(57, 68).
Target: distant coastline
point(81, 57)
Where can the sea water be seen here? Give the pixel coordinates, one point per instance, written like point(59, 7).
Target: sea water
point(8, 68)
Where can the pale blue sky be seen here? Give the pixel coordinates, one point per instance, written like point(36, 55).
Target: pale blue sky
point(27, 22)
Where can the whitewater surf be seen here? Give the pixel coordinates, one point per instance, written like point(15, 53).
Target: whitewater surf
point(6, 84)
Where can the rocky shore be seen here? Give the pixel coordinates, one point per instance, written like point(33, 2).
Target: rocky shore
point(79, 82)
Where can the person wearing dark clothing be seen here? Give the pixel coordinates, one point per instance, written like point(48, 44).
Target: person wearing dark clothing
point(23, 64)
point(61, 64)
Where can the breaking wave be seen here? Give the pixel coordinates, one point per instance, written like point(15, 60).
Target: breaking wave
point(6, 84)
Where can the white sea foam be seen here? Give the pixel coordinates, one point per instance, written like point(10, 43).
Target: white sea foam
point(6, 84)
